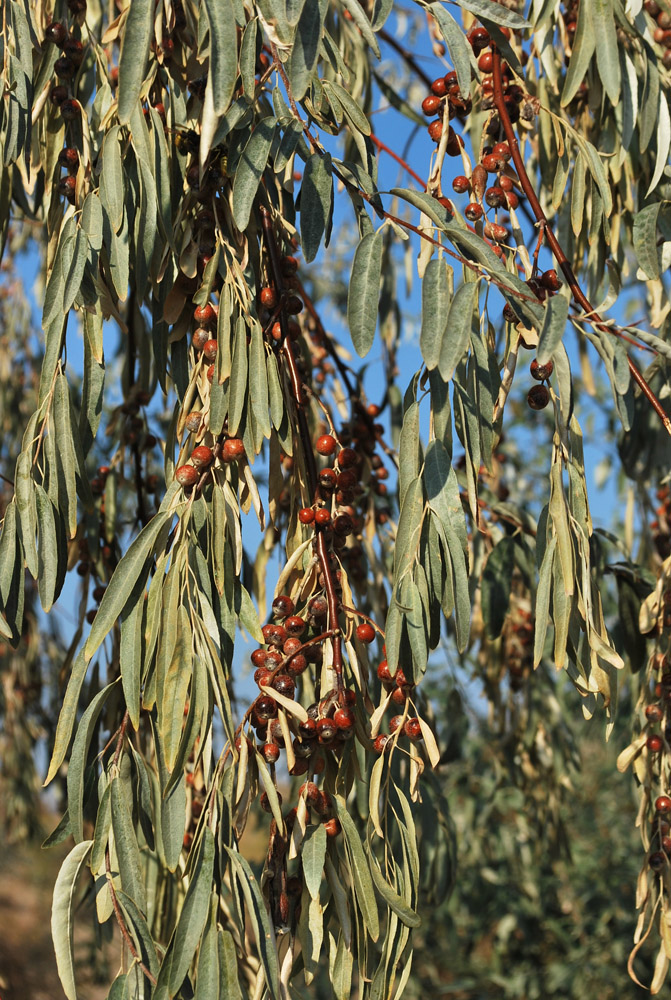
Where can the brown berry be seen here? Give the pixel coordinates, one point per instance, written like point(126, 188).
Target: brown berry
point(332, 827)
point(186, 475)
point(232, 449)
point(439, 87)
point(365, 632)
point(431, 105)
point(202, 456)
point(654, 713)
point(193, 421)
point(210, 350)
point(268, 297)
point(271, 752)
point(64, 68)
point(326, 444)
point(541, 372)
point(283, 606)
point(495, 197)
point(56, 32)
point(70, 109)
point(205, 314)
point(69, 158)
point(486, 62)
point(654, 744)
point(550, 280)
point(473, 212)
point(436, 130)
point(461, 184)
point(265, 707)
point(538, 397)
point(58, 95)
point(663, 804)
point(413, 730)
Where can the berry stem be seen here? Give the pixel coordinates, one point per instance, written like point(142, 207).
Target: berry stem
point(553, 242)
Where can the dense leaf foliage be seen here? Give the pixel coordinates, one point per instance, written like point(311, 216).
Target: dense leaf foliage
point(200, 461)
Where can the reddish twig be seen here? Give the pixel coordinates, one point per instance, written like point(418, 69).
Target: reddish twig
point(553, 242)
point(306, 443)
point(122, 925)
point(399, 159)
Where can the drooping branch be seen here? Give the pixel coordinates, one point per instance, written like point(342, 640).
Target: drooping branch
point(554, 244)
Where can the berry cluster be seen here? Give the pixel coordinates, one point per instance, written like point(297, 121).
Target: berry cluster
point(662, 33)
point(66, 69)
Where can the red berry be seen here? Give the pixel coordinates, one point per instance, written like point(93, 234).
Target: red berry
point(288, 265)
point(439, 87)
point(210, 374)
point(258, 657)
point(332, 827)
point(283, 606)
point(326, 731)
point(486, 62)
point(413, 730)
point(384, 673)
point(202, 455)
point(657, 861)
point(294, 625)
point(495, 197)
point(205, 314)
point(654, 744)
point(268, 297)
point(654, 713)
point(663, 804)
point(347, 458)
point(318, 607)
point(210, 350)
point(70, 110)
point(297, 665)
point(56, 32)
point(326, 444)
point(327, 479)
point(431, 104)
point(479, 39)
point(365, 632)
point(291, 645)
point(200, 338)
point(380, 742)
point(232, 450)
point(274, 635)
point(550, 280)
point(186, 475)
point(271, 752)
point(436, 130)
point(502, 151)
point(461, 184)
point(306, 515)
point(265, 707)
point(473, 212)
point(494, 232)
point(538, 397)
point(344, 718)
point(322, 517)
point(192, 422)
point(541, 372)
point(64, 68)
point(395, 723)
point(58, 94)
point(262, 676)
point(294, 305)
point(69, 158)
point(285, 685)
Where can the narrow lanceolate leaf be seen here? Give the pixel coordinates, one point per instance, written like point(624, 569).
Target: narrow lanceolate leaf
point(393, 900)
point(364, 292)
point(251, 165)
point(261, 926)
point(78, 758)
point(362, 879)
point(192, 920)
point(67, 716)
point(457, 46)
point(458, 331)
point(645, 240)
point(581, 54)
point(316, 203)
point(494, 12)
point(305, 50)
point(663, 141)
point(131, 572)
point(134, 55)
point(313, 854)
point(436, 298)
point(112, 180)
point(223, 52)
point(62, 916)
point(554, 324)
point(125, 839)
point(607, 58)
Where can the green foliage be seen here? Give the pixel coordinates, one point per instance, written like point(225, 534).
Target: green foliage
point(170, 165)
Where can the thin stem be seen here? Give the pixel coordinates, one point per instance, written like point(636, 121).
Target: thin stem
point(553, 242)
point(406, 166)
point(306, 444)
point(122, 925)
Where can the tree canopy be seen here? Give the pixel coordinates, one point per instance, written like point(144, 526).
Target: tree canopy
point(326, 293)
